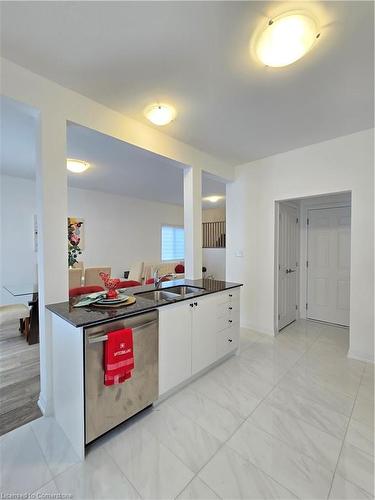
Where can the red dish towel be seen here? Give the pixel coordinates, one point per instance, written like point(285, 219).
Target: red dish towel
point(118, 356)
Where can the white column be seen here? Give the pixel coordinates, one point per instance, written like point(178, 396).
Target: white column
point(193, 222)
point(51, 186)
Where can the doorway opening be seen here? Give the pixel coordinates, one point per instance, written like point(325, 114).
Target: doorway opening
point(213, 227)
point(130, 206)
point(313, 259)
point(19, 317)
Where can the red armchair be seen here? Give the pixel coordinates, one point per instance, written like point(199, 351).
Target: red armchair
point(128, 284)
point(82, 290)
point(151, 281)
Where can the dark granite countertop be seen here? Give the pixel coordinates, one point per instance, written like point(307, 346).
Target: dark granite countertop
point(91, 315)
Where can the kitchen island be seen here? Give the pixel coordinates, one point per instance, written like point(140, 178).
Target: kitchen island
point(181, 329)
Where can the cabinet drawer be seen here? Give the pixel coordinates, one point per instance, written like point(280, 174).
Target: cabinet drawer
point(228, 301)
point(227, 341)
point(227, 319)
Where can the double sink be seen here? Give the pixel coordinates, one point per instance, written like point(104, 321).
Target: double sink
point(171, 294)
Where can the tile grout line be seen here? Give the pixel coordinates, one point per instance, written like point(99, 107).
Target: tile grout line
point(343, 440)
point(53, 476)
point(249, 417)
point(224, 443)
point(274, 387)
point(317, 402)
point(121, 472)
point(44, 458)
point(234, 432)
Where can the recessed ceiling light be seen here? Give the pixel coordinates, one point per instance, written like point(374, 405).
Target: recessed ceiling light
point(160, 114)
point(77, 166)
point(286, 39)
point(213, 199)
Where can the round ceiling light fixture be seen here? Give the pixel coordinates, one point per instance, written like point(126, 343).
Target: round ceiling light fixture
point(160, 114)
point(286, 39)
point(77, 166)
point(213, 199)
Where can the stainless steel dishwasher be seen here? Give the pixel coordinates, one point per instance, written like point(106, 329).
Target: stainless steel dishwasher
point(108, 406)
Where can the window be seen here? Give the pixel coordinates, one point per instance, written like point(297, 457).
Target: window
point(172, 243)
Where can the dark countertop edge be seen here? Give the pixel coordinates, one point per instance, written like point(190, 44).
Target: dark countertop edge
point(153, 305)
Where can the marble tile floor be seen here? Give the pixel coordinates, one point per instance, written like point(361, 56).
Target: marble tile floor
point(290, 417)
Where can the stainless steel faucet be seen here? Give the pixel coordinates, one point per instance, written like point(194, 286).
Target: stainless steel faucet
point(158, 279)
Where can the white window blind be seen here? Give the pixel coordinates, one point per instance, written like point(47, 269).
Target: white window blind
point(172, 243)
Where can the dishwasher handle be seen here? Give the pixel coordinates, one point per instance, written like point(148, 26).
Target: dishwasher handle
point(102, 336)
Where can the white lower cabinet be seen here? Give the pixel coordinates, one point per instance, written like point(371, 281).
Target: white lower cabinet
point(174, 345)
point(195, 333)
point(203, 333)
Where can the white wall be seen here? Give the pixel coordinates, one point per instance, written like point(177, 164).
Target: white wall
point(213, 214)
point(119, 230)
point(18, 258)
point(342, 164)
point(214, 261)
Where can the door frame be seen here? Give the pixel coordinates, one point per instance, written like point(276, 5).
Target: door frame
point(291, 203)
point(318, 200)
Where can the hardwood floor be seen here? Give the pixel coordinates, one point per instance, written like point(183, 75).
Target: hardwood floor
point(19, 380)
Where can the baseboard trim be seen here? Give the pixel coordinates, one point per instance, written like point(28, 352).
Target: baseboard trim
point(45, 408)
point(258, 329)
point(42, 404)
point(360, 357)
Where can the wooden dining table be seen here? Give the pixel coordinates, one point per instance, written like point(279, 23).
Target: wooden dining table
point(24, 290)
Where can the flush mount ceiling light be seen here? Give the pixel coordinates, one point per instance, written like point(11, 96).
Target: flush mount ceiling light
point(160, 114)
point(77, 166)
point(286, 39)
point(213, 199)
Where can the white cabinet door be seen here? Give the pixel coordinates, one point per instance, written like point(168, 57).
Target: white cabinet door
point(204, 332)
point(175, 324)
point(328, 274)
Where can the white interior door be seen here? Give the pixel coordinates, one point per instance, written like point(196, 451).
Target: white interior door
point(288, 247)
point(328, 271)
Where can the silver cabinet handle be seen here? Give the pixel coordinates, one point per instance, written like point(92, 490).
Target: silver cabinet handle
point(97, 338)
point(93, 339)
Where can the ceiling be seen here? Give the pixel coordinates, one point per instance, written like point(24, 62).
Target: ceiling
point(116, 167)
point(195, 55)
